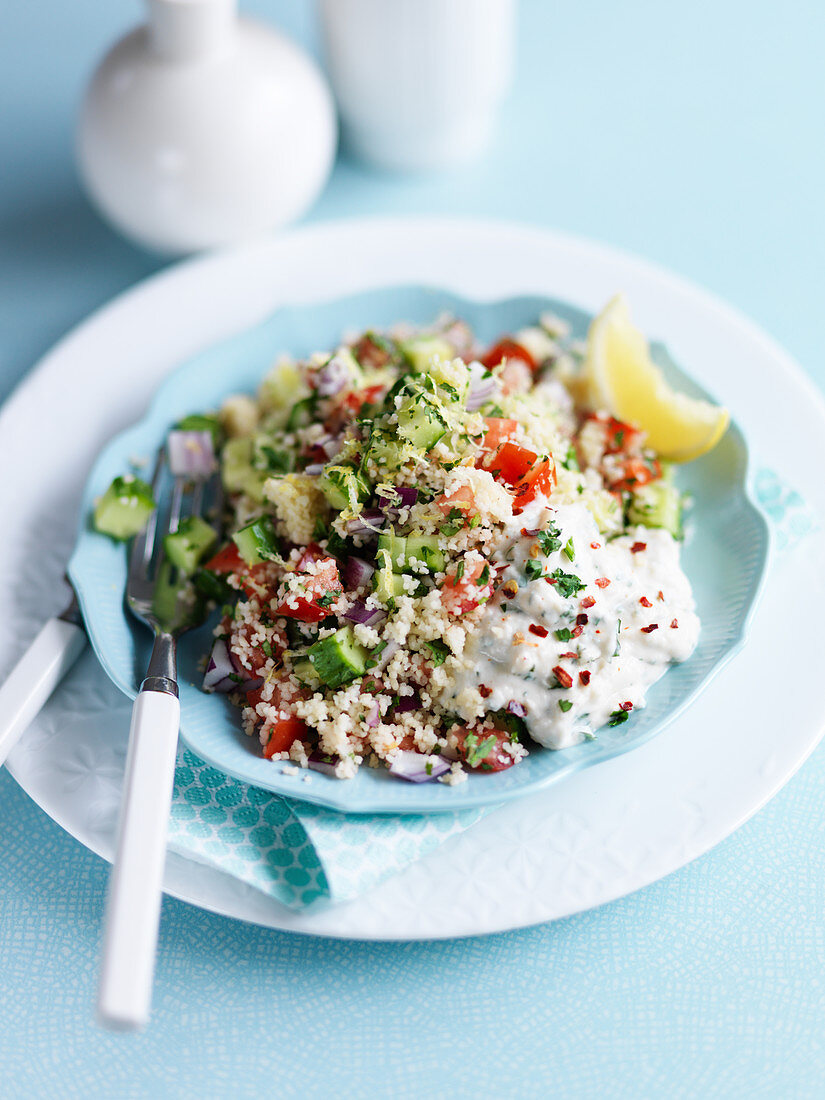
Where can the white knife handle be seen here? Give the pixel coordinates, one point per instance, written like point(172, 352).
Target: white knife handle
point(34, 678)
point(133, 906)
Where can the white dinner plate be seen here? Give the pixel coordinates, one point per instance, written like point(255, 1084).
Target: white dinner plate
point(595, 836)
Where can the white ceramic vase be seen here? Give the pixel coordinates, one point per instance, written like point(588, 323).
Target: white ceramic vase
point(202, 128)
point(419, 83)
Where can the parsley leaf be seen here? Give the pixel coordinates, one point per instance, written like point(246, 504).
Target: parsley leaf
point(564, 635)
point(568, 584)
point(565, 705)
point(479, 750)
point(326, 599)
point(549, 539)
point(440, 652)
point(568, 550)
point(617, 717)
point(533, 569)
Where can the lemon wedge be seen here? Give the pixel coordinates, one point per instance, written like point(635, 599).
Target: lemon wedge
point(623, 380)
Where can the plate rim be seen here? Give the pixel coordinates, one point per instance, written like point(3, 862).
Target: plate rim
point(415, 799)
point(200, 885)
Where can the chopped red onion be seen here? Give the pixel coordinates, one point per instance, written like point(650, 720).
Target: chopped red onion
point(332, 445)
point(191, 454)
point(483, 386)
point(357, 572)
point(367, 616)
point(519, 709)
point(333, 376)
point(324, 764)
point(374, 717)
point(314, 469)
point(387, 653)
point(418, 767)
point(369, 522)
point(219, 671)
point(408, 702)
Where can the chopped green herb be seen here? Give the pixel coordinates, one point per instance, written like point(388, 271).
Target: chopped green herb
point(565, 705)
point(266, 646)
point(276, 462)
point(533, 569)
point(568, 584)
point(549, 539)
point(569, 550)
point(617, 717)
point(326, 599)
point(484, 576)
point(459, 570)
point(319, 531)
point(570, 461)
point(428, 767)
point(475, 521)
point(440, 652)
point(564, 635)
point(479, 750)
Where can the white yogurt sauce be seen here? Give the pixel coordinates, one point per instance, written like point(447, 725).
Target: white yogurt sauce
point(618, 645)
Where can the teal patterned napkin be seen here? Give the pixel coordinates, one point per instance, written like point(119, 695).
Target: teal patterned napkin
point(302, 854)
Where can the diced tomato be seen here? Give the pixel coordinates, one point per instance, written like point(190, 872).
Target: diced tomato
point(510, 463)
point(282, 733)
point(499, 429)
point(461, 498)
point(636, 472)
point(355, 400)
point(312, 553)
point(464, 593)
point(538, 481)
point(495, 759)
point(255, 654)
point(227, 560)
point(508, 349)
point(285, 729)
point(622, 438)
point(316, 586)
point(370, 353)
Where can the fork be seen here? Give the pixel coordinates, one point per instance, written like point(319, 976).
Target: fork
point(155, 596)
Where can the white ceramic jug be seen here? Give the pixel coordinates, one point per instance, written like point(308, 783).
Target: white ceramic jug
point(203, 128)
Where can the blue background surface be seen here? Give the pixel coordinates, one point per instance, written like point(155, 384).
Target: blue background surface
point(692, 135)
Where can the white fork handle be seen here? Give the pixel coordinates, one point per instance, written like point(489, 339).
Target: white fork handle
point(34, 678)
point(133, 906)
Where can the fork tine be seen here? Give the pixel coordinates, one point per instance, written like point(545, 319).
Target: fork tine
point(176, 506)
point(144, 542)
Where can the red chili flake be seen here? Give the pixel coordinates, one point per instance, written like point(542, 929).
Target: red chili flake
point(637, 546)
point(571, 654)
point(582, 620)
point(576, 631)
point(661, 595)
point(584, 678)
point(674, 625)
point(650, 629)
point(539, 631)
point(645, 602)
point(602, 582)
point(563, 677)
point(588, 601)
point(484, 691)
point(626, 706)
point(595, 546)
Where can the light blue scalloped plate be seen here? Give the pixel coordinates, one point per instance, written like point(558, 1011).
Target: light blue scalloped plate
point(725, 556)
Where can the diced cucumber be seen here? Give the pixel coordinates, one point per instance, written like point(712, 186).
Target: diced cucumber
point(305, 671)
point(396, 548)
point(188, 546)
point(384, 450)
point(344, 487)
point(657, 505)
point(257, 542)
point(425, 548)
point(421, 350)
point(386, 584)
point(282, 388)
point(124, 508)
point(338, 659)
point(421, 422)
point(402, 551)
point(606, 511)
point(237, 472)
point(302, 414)
point(452, 378)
